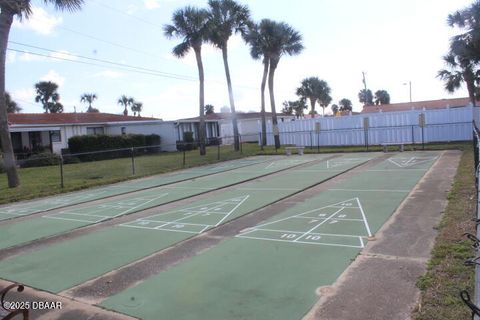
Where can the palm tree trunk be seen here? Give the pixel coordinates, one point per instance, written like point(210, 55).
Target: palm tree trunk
point(6, 20)
point(271, 74)
point(201, 77)
point(236, 137)
point(264, 121)
point(470, 82)
point(312, 104)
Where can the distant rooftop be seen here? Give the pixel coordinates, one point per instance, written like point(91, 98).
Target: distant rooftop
point(418, 105)
point(70, 118)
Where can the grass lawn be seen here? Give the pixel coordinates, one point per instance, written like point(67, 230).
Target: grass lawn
point(447, 275)
point(44, 181)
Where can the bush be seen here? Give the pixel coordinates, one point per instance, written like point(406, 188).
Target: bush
point(67, 159)
point(40, 160)
point(96, 143)
point(188, 142)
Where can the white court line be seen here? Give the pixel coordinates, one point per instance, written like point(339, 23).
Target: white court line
point(393, 170)
point(77, 220)
point(364, 218)
point(231, 211)
point(361, 241)
point(369, 190)
point(339, 219)
point(269, 189)
point(300, 232)
point(189, 188)
point(318, 225)
point(184, 231)
point(304, 242)
point(79, 214)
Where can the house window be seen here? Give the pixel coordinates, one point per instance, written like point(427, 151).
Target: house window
point(56, 136)
point(95, 130)
point(124, 130)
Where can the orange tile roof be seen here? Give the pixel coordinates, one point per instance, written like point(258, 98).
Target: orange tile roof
point(418, 105)
point(69, 118)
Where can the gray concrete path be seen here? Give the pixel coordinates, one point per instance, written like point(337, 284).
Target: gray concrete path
point(380, 283)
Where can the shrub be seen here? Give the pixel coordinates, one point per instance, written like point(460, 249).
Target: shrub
point(40, 160)
point(188, 142)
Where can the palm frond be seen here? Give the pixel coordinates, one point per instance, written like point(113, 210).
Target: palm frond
point(68, 5)
point(181, 50)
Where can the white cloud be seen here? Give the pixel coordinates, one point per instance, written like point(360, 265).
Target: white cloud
point(63, 54)
point(109, 74)
point(26, 94)
point(27, 57)
point(40, 22)
point(151, 4)
point(54, 76)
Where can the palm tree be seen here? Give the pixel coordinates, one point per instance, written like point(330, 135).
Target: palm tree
point(190, 25)
point(8, 10)
point(48, 96)
point(137, 108)
point(289, 107)
point(209, 109)
point(323, 92)
point(227, 17)
point(12, 106)
point(469, 20)
point(125, 102)
point(89, 98)
point(310, 90)
point(335, 109)
point(382, 97)
point(345, 105)
point(272, 40)
point(365, 97)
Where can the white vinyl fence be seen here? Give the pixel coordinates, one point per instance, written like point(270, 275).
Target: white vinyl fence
point(441, 125)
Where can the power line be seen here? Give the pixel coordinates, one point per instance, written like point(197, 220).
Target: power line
point(121, 66)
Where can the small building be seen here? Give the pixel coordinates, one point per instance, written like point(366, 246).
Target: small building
point(219, 125)
point(419, 105)
point(51, 131)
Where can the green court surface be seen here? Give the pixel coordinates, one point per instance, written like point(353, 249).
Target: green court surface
point(30, 207)
point(64, 265)
point(272, 270)
point(71, 218)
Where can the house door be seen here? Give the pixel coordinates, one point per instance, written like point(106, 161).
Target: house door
point(17, 142)
point(35, 138)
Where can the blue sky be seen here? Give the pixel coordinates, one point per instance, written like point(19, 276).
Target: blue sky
point(392, 41)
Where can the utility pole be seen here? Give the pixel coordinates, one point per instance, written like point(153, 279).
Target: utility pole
point(365, 86)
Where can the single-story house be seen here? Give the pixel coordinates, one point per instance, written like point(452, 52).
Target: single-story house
point(419, 105)
point(31, 131)
point(220, 125)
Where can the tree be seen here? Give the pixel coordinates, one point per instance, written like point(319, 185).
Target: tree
point(227, 17)
point(272, 40)
point(460, 69)
point(309, 90)
point(190, 25)
point(137, 107)
point(125, 102)
point(89, 98)
point(21, 9)
point(12, 106)
point(382, 97)
point(324, 97)
point(468, 19)
point(345, 105)
point(209, 109)
point(48, 96)
point(335, 109)
point(297, 107)
point(365, 97)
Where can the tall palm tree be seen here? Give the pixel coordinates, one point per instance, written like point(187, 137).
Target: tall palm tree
point(227, 17)
point(12, 106)
point(48, 96)
point(255, 37)
point(137, 108)
point(190, 25)
point(209, 109)
point(365, 97)
point(309, 90)
point(460, 70)
point(89, 98)
point(382, 97)
point(273, 40)
point(468, 19)
point(125, 102)
point(345, 105)
point(8, 10)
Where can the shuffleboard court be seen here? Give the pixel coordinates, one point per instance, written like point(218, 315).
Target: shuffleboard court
point(71, 218)
point(272, 270)
point(64, 265)
point(35, 206)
